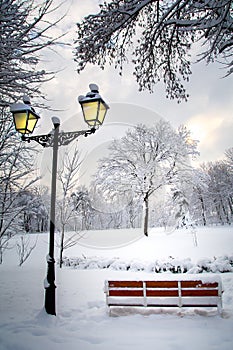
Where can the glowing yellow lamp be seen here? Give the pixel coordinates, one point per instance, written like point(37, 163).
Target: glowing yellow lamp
point(25, 118)
point(93, 106)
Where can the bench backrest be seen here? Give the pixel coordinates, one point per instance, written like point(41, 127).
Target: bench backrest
point(167, 293)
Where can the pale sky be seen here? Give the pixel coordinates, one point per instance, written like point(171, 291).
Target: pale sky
point(208, 112)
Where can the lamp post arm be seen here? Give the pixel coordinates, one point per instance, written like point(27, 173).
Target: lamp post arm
point(64, 138)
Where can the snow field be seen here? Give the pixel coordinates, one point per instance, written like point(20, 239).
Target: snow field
point(82, 321)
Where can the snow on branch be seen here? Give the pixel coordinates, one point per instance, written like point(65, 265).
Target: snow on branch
point(158, 35)
point(25, 31)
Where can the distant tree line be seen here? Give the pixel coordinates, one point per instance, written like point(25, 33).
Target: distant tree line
point(212, 199)
point(210, 202)
point(207, 197)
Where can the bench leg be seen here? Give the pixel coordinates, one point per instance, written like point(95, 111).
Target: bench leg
point(180, 294)
point(220, 309)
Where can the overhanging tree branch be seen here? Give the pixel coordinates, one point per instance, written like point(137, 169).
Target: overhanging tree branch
point(158, 35)
point(25, 31)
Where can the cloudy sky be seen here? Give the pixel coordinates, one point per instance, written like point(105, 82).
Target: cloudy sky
point(208, 113)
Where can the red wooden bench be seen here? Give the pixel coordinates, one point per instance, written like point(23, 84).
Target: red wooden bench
point(169, 293)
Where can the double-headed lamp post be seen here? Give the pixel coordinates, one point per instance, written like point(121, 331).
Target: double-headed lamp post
point(25, 119)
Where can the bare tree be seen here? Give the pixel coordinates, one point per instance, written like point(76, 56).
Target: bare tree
point(24, 248)
point(67, 176)
point(157, 37)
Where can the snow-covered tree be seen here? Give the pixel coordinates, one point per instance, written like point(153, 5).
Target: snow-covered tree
point(229, 162)
point(157, 36)
point(212, 197)
point(142, 162)
point(221, 190)
point(217, 198)
point(132, 212)
point(24, 32)
point(229, 158)
point(16, 176)
point(96, 211)
point(200, 196)
point(83, 207)
point(34, 217)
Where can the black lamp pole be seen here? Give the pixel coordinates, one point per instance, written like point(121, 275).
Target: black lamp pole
point(50, 303)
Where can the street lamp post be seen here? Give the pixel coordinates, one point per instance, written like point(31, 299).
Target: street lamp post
point(49, 282)
point(25, 119)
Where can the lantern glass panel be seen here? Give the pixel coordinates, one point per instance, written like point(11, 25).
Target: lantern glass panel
point(20, 119)
point(32, 120)
point(102, 112)
point(90, 111)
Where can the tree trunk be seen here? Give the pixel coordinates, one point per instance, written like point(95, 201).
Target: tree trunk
point(217, 206)
point(1, 255)
point(62, 247)
point(225, 212)
point(146, 213)
point(230, 205)
point(203, 210)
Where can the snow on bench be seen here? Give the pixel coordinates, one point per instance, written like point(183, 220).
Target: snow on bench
point(165, 293)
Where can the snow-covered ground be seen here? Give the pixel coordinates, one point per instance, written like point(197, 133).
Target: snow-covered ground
point(82, 321)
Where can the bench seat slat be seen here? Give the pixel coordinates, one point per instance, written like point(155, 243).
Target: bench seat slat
point(139, 293)
point(125, 284)
point(198, 284)
point(163, 292)
point(126, 292)
point(161, 284)
point(199, 292)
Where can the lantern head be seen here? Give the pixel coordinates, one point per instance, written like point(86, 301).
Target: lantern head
point(25, 118)
point(93, 106)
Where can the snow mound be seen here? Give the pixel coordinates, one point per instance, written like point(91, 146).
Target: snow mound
point(219, 264)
